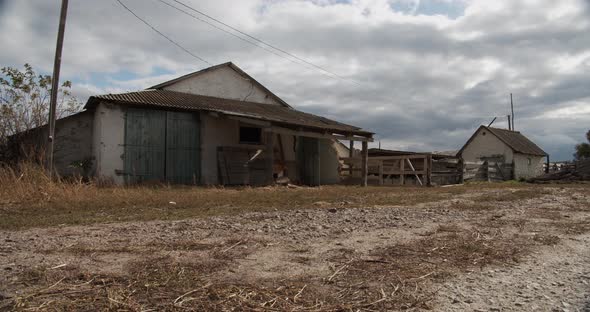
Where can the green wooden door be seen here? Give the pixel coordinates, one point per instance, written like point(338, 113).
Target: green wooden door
point(145, 148)
point(182, 148)
point(308, 160)
point(162, 146)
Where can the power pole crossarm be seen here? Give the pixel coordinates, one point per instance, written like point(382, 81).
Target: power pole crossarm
point(55, 85)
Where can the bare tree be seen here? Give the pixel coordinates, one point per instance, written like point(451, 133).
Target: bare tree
point(24, 100)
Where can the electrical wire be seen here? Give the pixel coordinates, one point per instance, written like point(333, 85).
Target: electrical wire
point(162, 34)
point(225, 31)
point(263, 42)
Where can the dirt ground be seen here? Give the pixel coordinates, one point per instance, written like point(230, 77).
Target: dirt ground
point(488, 249)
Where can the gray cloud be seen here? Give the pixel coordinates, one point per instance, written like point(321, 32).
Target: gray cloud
point(426, 82)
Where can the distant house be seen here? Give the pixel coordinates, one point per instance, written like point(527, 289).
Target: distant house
point(215, 126)
point(503, 146)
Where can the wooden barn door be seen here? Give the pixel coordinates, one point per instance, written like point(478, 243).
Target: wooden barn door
point(162, 146)
point(145, 145)
point(183, 159)
point(308, 160)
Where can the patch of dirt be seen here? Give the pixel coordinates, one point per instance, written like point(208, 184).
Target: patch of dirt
point(496, 249)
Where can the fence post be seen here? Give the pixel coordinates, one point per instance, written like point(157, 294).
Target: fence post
point(461, 169)
point(381, 172)
point(365, 164)
point(402, 169)
point(350, 155)
point(429, 170)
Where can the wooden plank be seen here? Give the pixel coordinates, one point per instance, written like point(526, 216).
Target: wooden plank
point(270, 156)
point(406, 172)
point(251, 121)
point(414, 170)
point(317, 135)
point(350, 155)
point(429, 170)
point(365, 164)
point(282, 154)
point(402, 169)
point(381, 173)
point(351, 138)
point(389, 157)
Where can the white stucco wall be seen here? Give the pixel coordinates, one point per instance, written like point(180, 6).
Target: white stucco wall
point(485, 144)
point(329, 163)
point(524, 169)
point(223, 82)
point(108, 141)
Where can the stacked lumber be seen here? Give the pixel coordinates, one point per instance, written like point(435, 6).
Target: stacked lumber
point(579, 172)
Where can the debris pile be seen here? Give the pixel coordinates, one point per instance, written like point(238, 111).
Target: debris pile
point(579, 172)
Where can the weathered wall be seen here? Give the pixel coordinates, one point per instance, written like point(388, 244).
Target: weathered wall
point(220, 131)
point(223, 82)
point(290, 150)
point(524, 169)
point(485, 144)
point(329, 163)
point(215, 132)
point(73, 143)
point(108, 141)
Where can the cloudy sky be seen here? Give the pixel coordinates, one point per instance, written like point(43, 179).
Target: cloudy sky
point(421, 74)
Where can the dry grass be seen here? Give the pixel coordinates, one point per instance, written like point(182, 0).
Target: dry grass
point(30, 199)
point(390, 278)
point(514, 195)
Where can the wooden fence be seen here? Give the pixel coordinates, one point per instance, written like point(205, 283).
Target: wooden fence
point(487, 171)
point(446, 171)
point(401, 170)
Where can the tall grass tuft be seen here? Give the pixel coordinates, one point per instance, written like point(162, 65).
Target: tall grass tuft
point(28, 182)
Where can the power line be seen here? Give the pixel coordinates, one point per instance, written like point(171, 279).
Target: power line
point(225, 31)
point(162, 34)
point(263, 42)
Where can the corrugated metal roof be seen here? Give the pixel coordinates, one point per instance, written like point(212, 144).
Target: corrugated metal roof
point(267, 112)
point(518, 142)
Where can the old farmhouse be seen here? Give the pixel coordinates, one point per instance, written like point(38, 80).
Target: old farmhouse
point(514, 156)
point(215, 126)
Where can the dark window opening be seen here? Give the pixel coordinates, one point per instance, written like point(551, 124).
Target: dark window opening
point(250, 135)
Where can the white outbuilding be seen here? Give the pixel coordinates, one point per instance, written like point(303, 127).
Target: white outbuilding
point(504, 146)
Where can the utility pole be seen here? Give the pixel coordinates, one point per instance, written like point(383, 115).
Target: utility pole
point(55, 85)
point(512, 108)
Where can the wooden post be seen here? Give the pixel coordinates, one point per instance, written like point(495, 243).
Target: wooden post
point(429, 170)
point(461, 169)
point(270, 156)
point(381, 172)
point(402, 169)
point(365, 164)
point(425, 168)
point(350, 155)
